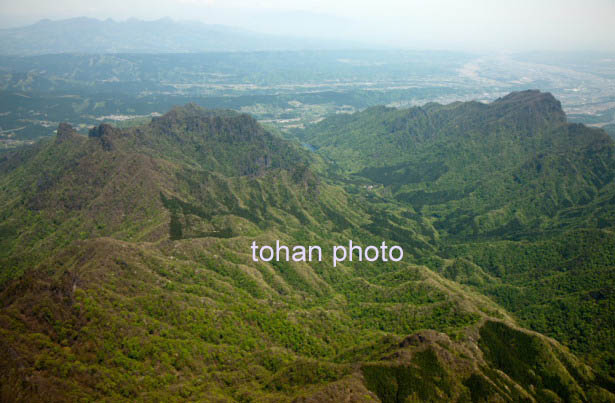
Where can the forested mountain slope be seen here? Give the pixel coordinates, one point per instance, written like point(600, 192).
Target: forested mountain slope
point(127, 274)
point(523, 202)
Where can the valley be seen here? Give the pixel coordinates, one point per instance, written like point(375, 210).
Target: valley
point(284, 89)
point(307, 201)
point(127, 269)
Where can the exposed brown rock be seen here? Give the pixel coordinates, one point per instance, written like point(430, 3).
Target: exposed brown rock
point(65, 132)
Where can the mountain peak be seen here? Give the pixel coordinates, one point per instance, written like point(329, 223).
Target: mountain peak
point(65, 132)
point(192, 110)
point(104, 132)
point(534, 98)
point(530, 107)
point(160, 229)
point(194, 118)
point(527, 96)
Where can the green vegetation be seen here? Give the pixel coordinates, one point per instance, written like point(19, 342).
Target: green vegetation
point(521, 200)
point(126, 270)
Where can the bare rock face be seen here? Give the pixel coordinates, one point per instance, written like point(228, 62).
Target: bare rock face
point(349, 390)
point(65, 132)
point(105, 133)
point(423, 338)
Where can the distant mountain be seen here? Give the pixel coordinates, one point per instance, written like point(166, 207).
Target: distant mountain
point(89, 35)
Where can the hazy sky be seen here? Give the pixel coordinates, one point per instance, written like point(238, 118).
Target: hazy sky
point(441, 24)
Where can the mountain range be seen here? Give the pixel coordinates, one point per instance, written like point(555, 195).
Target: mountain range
point(126, 271)
point(94, 36)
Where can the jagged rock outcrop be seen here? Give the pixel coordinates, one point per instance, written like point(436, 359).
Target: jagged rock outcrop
point(65, 132)
point(105, 133)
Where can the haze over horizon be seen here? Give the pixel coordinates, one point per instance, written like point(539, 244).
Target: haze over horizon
point(569, 25)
